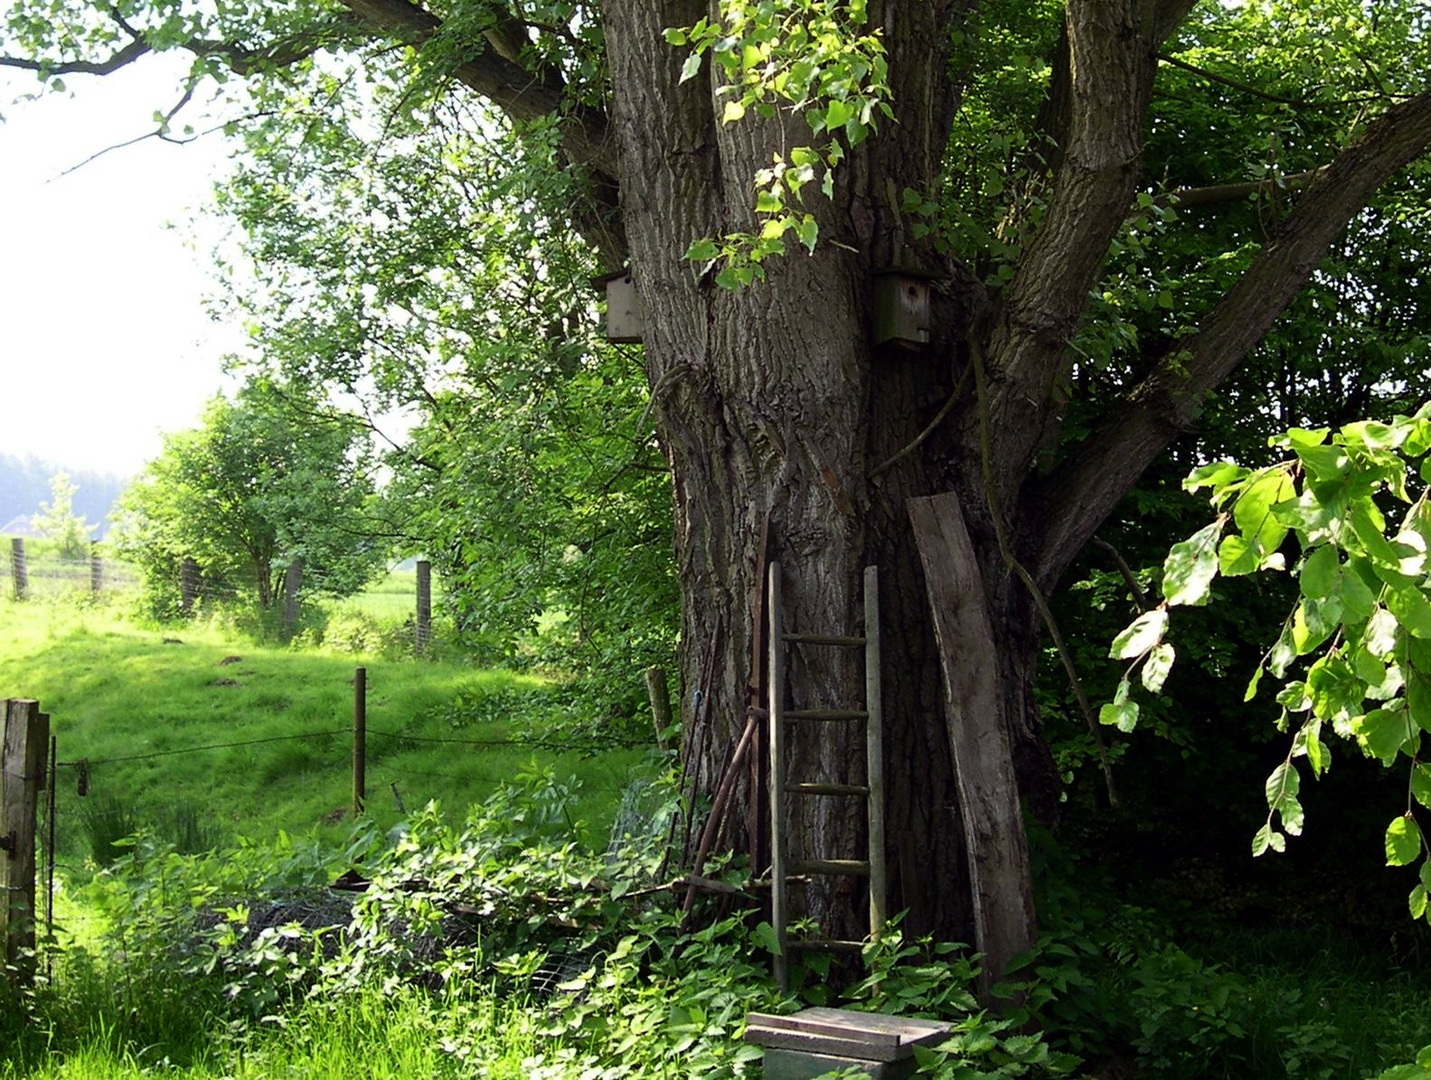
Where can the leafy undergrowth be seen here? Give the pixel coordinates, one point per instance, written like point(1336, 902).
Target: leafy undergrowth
point(500, 947)
point(503, 946)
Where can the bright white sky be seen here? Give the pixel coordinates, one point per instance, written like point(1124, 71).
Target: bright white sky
point(104, 341)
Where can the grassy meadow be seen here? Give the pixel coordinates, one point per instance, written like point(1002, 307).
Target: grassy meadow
point(189, 730)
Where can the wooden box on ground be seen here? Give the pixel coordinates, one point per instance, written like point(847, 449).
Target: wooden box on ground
point(816, 1041)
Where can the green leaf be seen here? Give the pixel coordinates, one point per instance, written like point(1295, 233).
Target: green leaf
point(765, 936)
point(1381, 733)
point(1421, 784)
point(1190, 567)
point(1122, 714)
point(1157, 666)
point(1313, 622)
point(1403, 841)
point(1253, 512)
point(1380, 636)
point(1268, 837)
point(1236, 557)
point(674, 35)
point(1141, 635)
point(1320, 572)
point(1358, 601)
point(1418, 699)
point(1335, 690)
point(734, 110)
point(1301, 438)
point(1283, 784)
point(1218, 475)
point(691, 68)
point(1324, 462)
point(1376, 435)
point(1253, 683)
point(1283, 652)
point(1411, 609)
point(1417, 901)
point(1369, 525)
point(808, 232)
point(1294, 697)
point(702, 251)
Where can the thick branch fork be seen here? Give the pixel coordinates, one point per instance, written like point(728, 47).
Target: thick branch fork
point(1075, 498)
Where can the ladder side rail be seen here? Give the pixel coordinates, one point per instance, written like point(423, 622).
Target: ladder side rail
point(779, 871)
point(874, 754)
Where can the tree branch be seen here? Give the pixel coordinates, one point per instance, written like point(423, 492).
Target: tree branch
point(1235, 84)
point(1183, 198)
point(125, 56)
point(1111, 62)
point(1074, 499)
point(521, 94)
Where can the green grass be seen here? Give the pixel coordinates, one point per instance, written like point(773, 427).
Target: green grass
point(393, 597)
point(157, 714)
point(405, 1034)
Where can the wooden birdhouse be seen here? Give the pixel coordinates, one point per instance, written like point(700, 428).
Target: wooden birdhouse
point(902, 308)
point(623, 307)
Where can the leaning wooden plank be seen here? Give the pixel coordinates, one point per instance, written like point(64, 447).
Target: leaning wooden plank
point(978, 738)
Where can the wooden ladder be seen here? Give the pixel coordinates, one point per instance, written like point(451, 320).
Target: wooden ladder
point(782, 867)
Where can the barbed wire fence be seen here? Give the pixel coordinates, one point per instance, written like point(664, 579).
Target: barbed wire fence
point(84, 776)
point(36, 572)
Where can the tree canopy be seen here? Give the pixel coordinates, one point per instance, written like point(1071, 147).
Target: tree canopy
point(263, 481)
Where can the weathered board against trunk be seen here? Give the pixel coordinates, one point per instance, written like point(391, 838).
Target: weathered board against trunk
point(978, 736)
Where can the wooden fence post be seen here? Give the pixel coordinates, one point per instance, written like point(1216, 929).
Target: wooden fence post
point(19, 573)
point(292, 578)
point(22, 777)
point(424, 605)
point(360, 740)
point(188, 586)
point(96, 569)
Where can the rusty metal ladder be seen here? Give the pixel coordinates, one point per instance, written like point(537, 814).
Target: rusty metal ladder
point(782, 867)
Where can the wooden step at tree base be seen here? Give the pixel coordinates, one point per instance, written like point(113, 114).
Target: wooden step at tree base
point(817, 1041)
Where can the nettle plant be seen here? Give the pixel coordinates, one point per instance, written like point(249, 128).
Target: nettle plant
point(1348, 515)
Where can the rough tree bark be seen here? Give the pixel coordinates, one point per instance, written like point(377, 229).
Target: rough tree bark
point(772, 402)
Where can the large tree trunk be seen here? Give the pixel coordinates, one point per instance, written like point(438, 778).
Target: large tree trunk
point(773, 404)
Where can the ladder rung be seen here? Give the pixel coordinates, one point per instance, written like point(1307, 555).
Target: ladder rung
point(852, 867)
point(828, 789)
point(821, 639)
point(825, 945)
point(826, 714)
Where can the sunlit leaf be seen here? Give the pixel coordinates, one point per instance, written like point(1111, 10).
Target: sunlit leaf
point(1141, 635)
point(1190, 567)
point(1157, 666)
point(1403, 841)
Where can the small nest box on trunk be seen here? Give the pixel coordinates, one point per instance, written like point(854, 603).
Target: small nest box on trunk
point(902, 308)
point(623, 307)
